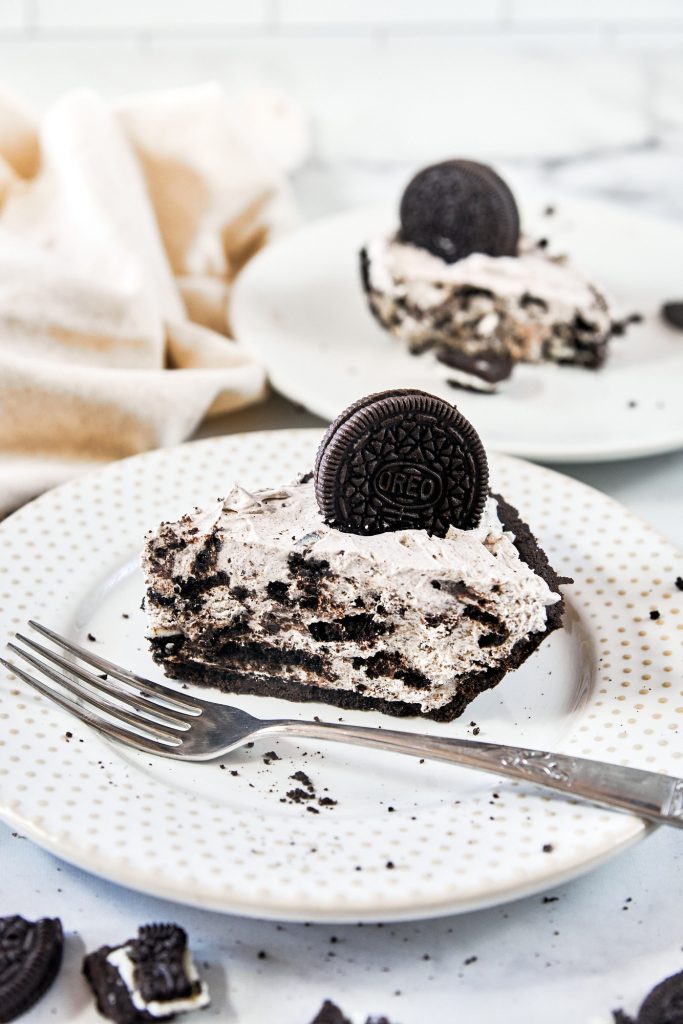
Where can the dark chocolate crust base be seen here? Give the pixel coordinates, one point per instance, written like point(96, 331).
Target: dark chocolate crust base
point(231, 680)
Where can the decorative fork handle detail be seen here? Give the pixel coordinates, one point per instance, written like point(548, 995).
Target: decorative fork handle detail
point(650, 795)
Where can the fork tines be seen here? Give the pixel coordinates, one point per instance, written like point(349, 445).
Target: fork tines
point(157, 714)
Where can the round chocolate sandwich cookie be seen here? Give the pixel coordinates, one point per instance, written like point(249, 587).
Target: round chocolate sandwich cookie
point(347, 413)
point(664, 1004)
point(459, 207)
point(401, 460)
point(672, 312)
point(30, 957)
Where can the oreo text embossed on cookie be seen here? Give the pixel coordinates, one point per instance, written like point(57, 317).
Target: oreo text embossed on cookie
point(401, 460)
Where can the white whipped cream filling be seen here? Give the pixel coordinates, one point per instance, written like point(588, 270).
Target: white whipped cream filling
point(408, 269)
point(120, 959)
point(394, 570)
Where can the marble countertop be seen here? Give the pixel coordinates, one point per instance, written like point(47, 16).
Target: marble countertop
point(601, 942)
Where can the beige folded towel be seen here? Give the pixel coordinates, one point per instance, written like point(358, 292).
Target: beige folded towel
point(121, 231)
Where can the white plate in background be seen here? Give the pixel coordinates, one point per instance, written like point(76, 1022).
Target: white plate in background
point(299, 306)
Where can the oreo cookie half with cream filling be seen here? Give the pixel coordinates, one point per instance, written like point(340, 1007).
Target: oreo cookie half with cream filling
point(480, 299)
point(268, 592)
point(150, 978)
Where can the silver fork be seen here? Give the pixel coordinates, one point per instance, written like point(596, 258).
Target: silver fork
point(175, 724)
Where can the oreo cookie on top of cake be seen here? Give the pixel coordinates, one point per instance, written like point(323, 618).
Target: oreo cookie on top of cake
point(459, 281)
point(392, 579)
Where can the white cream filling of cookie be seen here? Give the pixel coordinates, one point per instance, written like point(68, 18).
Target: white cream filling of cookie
point(468, 380)
point(120, 959)
point(394, 571)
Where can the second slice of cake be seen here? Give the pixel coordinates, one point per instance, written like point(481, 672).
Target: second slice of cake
point(458, 284)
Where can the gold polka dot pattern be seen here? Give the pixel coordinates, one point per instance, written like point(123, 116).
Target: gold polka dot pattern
point(105, 809)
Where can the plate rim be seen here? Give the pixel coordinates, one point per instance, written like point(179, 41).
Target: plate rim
point(632, 831)
point(427, 910)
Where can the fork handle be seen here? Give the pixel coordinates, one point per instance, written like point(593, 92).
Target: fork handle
point(650, 795)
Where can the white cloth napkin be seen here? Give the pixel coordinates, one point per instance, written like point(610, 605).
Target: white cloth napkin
point(121, 231)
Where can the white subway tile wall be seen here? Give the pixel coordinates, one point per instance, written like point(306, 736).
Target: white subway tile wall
point(149, 15)
point(13, 15)
point(572, 91)
point(165, 16)
point(617, 13)
point(388, 14)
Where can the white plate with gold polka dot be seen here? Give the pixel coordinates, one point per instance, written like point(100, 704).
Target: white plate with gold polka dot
point(218, 834)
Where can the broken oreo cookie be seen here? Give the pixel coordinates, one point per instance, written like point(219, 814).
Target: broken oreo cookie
point(330, 1013)
point(401, 460)
point(149, 978)
point(459, 207)
point(664, 1004)
point(478, 371)
point(672, 312)
point(30, 958)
